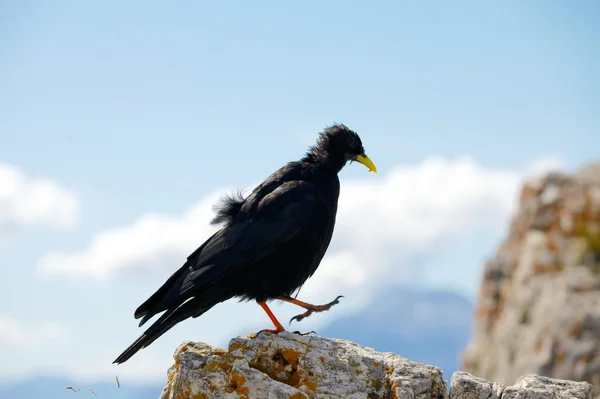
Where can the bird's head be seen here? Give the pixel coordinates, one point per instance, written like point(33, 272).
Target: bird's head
point(340, 145)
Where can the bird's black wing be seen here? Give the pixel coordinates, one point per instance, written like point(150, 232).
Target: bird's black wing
point(270, 220)
point(278, 218)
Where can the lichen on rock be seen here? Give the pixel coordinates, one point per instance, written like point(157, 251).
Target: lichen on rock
point(288, 365)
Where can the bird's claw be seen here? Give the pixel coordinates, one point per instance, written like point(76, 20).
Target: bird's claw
point(269, 330)
point(275, 331)
point(316, 308)
point(306, 333)
point(301, 316)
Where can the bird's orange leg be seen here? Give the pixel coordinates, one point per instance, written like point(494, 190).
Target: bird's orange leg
point(278, 327)
point(310, 308)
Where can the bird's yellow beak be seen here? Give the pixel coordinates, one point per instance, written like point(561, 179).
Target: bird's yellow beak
point(365, 160)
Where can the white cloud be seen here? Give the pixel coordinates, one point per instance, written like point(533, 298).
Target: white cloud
point(387, 225)
point(14, 333)
point(27, 202)
point(50, 348)
point(32, 347)
point(152, 243)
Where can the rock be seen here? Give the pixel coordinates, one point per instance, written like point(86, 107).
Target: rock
point(538, 310)
point(467, 386)
point(550, 195)
point(290, 366)
point(537, 387)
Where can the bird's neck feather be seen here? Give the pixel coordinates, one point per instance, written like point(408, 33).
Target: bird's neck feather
point(322, 158)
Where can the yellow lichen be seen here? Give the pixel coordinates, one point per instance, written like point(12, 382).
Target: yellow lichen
point(291, 356)
point(393, 388)
point(184, 394)
point(237, 384)
point(217, 364)
point(234, 345)
point(310, 385)
point(294, 379)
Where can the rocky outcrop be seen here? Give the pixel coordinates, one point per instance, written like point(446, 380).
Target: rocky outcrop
point(467, 386)
point(539, 302)
point(291, 366)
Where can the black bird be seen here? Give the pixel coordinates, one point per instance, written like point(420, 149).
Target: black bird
point(272, 241)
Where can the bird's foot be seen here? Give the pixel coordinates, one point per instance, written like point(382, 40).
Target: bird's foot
point(315, 308)
point(271, 330)
point(277, 331)
point(303, 334)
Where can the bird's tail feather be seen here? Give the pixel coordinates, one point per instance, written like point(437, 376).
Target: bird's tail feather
point(164, 324)
point(147, 317)
point(161, 299)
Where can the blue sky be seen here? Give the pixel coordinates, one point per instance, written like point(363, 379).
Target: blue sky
point(146, 108)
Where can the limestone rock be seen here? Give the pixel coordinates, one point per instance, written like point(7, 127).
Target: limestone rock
point(537, 387)
point(467, 386)
point(539, 303)
point(291, 366)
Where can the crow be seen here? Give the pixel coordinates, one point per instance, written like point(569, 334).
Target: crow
point(269, 244)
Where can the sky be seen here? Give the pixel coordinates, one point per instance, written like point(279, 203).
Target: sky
point(121, 123)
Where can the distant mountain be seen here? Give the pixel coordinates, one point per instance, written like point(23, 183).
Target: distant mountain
point(422, 325)
point(55, 388)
